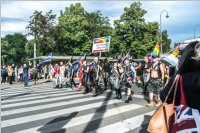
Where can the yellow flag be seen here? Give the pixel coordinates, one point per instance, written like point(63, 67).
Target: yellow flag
point(175, 52)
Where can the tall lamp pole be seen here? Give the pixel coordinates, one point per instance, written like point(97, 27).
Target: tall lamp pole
point(167, 16)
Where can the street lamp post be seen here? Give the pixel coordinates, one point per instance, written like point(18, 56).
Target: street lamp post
point(167, 16)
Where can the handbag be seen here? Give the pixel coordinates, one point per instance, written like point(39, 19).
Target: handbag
point(186, 119)
point(160, 120)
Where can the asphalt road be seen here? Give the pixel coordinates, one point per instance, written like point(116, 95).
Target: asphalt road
point(44, 109)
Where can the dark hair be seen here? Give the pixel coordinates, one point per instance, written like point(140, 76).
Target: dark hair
point(188, 63)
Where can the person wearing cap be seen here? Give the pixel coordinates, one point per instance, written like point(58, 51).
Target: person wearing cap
point(155, 81)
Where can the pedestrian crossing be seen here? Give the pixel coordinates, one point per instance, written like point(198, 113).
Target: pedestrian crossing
point(44, 110)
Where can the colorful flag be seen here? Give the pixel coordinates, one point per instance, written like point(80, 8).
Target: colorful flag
point(126, 57)
point(119, 57)
point(75, 66)
point(84, 57)
point(47, 59)
point(175, 52)
point(156, 51)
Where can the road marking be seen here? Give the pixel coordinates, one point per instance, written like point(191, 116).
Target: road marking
point(124, 125)
point(25, 119)
point(51, 105)
point(85, 119)
point(48, 99)
point(36, 96)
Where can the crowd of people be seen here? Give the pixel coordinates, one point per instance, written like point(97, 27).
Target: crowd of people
point(120, 75)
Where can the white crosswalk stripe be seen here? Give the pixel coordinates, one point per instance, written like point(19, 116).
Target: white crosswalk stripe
point(125, 125)
point(52, 110)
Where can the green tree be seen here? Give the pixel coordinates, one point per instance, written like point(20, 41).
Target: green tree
point(99, 26)
point(4, 51)
point(41, 27)
point(29, 48)
point(72, 35)
point(77, 28)
point(132, 32)
point(13, 48)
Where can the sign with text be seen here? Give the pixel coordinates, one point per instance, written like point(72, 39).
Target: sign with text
point(101, 44)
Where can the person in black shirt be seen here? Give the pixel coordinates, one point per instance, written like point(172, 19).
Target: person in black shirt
point(13, 73)
point(139, 70)
point(105, 69)
point(95, 73)
point(146, 72)
point(127, 71)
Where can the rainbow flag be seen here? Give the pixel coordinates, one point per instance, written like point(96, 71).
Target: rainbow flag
point(156, 51)
point(175, 52)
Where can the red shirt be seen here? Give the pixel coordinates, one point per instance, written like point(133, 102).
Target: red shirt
point(57, 70)
point(80, 69)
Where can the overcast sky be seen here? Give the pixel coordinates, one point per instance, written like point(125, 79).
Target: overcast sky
point(184, 15)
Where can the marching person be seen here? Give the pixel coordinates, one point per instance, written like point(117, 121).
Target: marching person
point(16, 74)
point(10, 74)
point(35, 74)
point(156, 81)
point(127, 71)
point(57, 75)
point(3, 74)
point(146, 73)
point(139, 70)
point(51, 72)
point(85, 88)
point(95, 75)
point(20, 73)
point(25, 75)
point(116, 78)
point(80, 75)
point(73, 71)
point(13, 73)
point(62, 73)
point(105, 70)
